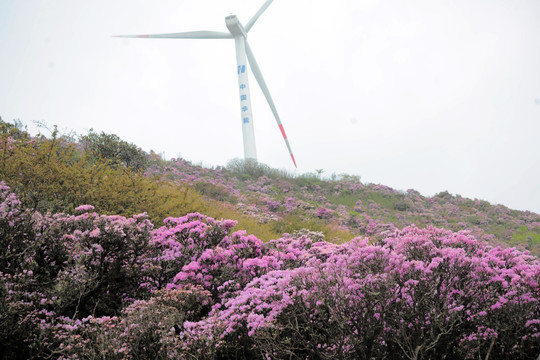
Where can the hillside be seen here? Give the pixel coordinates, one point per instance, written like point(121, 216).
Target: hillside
point(109, 252)
point(58, 173)
point(343, 202)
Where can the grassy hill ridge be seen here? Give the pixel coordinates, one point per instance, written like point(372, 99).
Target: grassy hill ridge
point(58, 173)
point(275, 197)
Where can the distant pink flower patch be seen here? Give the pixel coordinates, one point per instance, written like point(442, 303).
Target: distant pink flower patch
point(324, 213)
point(272, 205)
point(84, 208)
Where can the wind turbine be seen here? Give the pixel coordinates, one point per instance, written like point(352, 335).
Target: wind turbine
point(238, 32)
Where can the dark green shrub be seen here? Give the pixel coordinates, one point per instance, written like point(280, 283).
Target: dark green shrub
point(114, 149)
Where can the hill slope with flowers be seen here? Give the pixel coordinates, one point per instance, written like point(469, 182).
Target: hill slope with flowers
point(345, 204)
point(58, 173)
point(105, 253)
point(100, 286)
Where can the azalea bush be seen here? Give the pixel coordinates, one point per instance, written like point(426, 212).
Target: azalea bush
point(57, 266)
point(419, 294)
point(146, 329)
point(89, 285)
point(57, 174)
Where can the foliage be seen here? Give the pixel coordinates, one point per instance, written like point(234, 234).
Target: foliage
point(216, 192)
point(251, 169)
point(117, 151)
point(292, 223)
point(46, 173)
point(90, 285)
point(527, 236)
point(57, 176)
point(272, 197)
point(343, 198)
point(53, 175)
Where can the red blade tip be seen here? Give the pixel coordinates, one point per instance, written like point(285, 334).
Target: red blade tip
point(282, 131)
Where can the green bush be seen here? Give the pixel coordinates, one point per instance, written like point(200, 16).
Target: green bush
point(251, 169)
point(216, 192)
point(112, 148)
point(53, 175)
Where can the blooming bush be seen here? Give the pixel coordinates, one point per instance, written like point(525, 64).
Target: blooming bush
point(324, 213)
point(180, 242)
point(65, 266)
point(146, 329)
point(91, 285)
point(356, 208)
point(420, 294)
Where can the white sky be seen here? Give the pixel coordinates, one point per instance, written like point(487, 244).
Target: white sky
point(431, 95)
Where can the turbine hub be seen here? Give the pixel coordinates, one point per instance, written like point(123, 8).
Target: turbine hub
point(234, 26)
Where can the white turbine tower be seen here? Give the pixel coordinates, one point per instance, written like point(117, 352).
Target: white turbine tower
point(238, 32)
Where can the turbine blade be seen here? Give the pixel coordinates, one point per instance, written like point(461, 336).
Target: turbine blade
point(184, 35)
point(257, 14)
point(258, 76)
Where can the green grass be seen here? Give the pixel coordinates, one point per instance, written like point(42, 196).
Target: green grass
point(346, 199)
point(384, 201)
point(525, 236)
point(294, 222)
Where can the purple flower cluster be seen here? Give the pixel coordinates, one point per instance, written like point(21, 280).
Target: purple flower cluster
point(93, 285)
point(360, 209)
point(324, 213)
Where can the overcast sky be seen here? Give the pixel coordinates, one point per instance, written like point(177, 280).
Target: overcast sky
point(430, 95)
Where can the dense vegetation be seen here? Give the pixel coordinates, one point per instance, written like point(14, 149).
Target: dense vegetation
point(343, 202)
point(56, 174)
point(76, 283)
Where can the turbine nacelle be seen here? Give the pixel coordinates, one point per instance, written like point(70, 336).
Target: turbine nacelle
point(234, 26)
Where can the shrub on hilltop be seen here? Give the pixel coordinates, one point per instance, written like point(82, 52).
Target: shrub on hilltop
point(53, 174)
point(111, 147)
point(252, 169)
point(56, 174)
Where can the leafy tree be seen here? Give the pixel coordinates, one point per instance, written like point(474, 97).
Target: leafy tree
point(116, 150)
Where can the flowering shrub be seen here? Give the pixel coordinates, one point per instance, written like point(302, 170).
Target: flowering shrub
point(90, 285)
point(358, 209)
point(420, 294)
point(147, 329)
point(65, 266)
point(324, 213)
point(228, 267)
point(272, 205)
point(99, 170)
point(180, 242)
